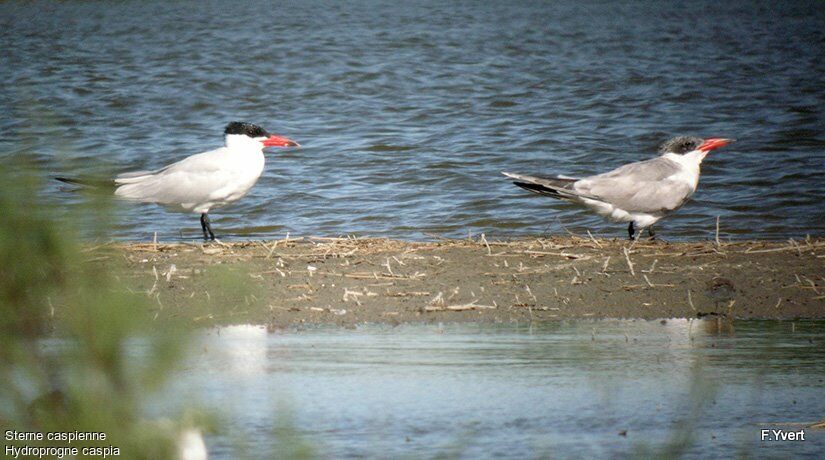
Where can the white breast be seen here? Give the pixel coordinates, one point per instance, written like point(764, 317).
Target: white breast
point(691, 168)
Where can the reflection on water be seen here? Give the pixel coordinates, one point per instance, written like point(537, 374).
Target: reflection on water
point(408, 111)
point(563, 389)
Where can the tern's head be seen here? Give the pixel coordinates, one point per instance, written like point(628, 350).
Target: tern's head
point(246, 134)
point(687, 144)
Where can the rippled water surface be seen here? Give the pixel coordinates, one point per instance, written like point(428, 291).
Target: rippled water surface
point(408, 112)
point(557, 390)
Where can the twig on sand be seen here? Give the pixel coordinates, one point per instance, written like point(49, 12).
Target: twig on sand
point(575, 279)
point(652, 267)
point(796, 246)
point(717, 232)
point(690, 301)
point(484, 240)
point(560, 254)
point(629, 263)
point(464, 307)
point(407, 294)
point(272, 249)
point(438, 300)
point(533, 307)
point(389, 267)
point(594, 239)
point(604, 267)
point(377, 276)
point(813, 285)
point(354, 295)
point(529, 292)
point(759, 251)
point(155, 284)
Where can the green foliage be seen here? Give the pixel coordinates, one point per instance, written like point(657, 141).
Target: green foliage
point(95, 366)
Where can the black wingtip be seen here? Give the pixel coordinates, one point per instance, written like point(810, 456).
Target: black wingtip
point(67, 180)
point(92, 183)
point(540, 189)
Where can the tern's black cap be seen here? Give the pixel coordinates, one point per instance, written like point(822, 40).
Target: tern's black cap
point(681, 145)
point(240, 127)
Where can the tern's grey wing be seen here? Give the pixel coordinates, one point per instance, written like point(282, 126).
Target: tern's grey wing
point(195, 179)
point(206, 162)
point(649, 170)
point(123, 177)
point(638, 196)
point(647, 186)
point(134, 176)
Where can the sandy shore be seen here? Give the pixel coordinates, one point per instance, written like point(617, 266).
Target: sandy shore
point(347, 281)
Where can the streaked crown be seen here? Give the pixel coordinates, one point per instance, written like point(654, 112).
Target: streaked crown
point(681, 145)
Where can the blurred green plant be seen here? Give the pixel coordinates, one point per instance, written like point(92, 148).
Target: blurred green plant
point(68, 334)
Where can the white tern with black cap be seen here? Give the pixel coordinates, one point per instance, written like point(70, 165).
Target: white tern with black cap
point(203, 181)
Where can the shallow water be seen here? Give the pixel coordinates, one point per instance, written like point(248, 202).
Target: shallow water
point(562, 389)
point(407, 113)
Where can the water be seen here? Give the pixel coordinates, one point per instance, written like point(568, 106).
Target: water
point(558, 390)
point(407, 113)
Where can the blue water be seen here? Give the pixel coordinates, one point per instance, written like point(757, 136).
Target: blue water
point(408, 112)
point(555, 390)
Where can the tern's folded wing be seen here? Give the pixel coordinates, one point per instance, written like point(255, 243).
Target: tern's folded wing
point(196, 179)
point(641, 171)
point(654, 185)
point(638, 196)
point(206, 162)
point(178, 187)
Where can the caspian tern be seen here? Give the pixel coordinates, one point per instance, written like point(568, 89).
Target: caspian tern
point(204, 181)
point(640, 193)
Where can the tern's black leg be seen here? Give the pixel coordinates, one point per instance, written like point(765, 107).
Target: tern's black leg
point(206, 227)
point(630, 230)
